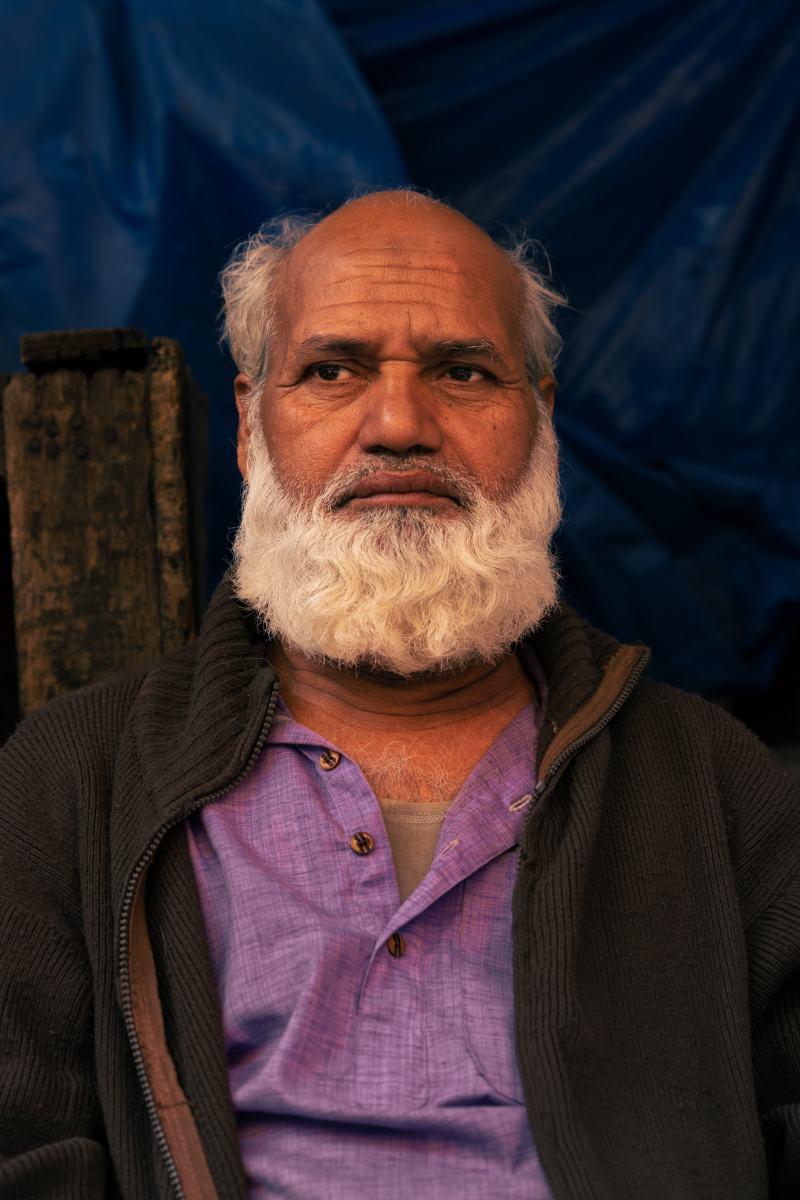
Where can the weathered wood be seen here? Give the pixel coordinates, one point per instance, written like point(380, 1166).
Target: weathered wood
point(196, 435)
point(102, 472)
point(9, 702)
point(79, 464)
point(4, 379)
point(85, 348)
point(168, 413)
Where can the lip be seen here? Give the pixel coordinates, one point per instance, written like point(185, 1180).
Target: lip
point(401, 487)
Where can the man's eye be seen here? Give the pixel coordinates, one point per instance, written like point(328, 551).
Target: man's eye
point(329, 372)
point(464, 374)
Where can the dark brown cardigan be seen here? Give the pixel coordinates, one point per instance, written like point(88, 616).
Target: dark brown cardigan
point(656, 922)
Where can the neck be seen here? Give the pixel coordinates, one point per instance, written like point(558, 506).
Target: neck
point(393, 703)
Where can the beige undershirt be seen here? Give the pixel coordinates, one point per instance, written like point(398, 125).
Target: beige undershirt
point(413, 832)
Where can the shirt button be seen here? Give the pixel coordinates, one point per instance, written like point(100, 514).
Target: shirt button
point(329, 759)
point(362, 842)
point(396, 945)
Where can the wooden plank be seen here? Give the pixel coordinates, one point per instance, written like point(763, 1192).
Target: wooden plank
point(4, 379)
point(78, 463)
point(167, 417)
point(9, 702)
point(196, 421)
point(84, 348)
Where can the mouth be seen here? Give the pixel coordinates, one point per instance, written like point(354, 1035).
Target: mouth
point(400, 499)
point(410, 488)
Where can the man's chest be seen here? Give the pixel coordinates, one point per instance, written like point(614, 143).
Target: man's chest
point(414, 772)
point(418, 766)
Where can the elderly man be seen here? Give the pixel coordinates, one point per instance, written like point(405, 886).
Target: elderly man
point(401, 880)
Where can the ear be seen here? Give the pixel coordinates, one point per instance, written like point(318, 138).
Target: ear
point(242, 387)
point(547, 388)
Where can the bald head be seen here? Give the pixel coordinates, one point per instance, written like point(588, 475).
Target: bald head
point(290, 257)
point(401, 219)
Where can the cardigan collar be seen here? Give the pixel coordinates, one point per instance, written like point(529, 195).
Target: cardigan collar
point(199, 713)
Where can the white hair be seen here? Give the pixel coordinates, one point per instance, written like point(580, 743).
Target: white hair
point(249, 286)
point(402, 589)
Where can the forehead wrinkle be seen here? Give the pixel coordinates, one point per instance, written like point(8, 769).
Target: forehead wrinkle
point(336, 266)
point(368, 303)
point(400, 245)
point(338, 272)
point(351, 281)
point(396, 275)
point(406, 268)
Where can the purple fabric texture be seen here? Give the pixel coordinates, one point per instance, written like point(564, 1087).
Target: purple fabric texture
point(352, 1071)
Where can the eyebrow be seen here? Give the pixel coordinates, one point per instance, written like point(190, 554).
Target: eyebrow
point(429, 349)
point(320, 344)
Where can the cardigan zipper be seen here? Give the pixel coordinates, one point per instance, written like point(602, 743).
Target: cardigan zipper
point(556, 768)
point(141, 866)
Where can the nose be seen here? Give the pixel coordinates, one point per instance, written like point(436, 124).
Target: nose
point(400, 415)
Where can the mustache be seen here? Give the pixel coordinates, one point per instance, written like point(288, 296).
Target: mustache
point(461, 486)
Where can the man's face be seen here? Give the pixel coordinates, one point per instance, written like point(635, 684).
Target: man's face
point(398, 338)
point(398, 357)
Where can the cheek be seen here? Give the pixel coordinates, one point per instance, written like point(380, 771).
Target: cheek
point(496, 449)
point(303, 447)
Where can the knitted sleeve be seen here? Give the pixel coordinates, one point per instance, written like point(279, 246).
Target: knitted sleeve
point(51, 1139)
point(765, 847)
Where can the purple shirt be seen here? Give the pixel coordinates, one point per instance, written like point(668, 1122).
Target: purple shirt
point(354, 1071)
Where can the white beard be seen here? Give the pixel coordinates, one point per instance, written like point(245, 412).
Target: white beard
point(400, 589)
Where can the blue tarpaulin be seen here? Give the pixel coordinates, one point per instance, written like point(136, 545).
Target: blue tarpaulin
point(651, 146)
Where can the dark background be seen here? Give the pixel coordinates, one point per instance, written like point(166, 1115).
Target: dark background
point(651, 146)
